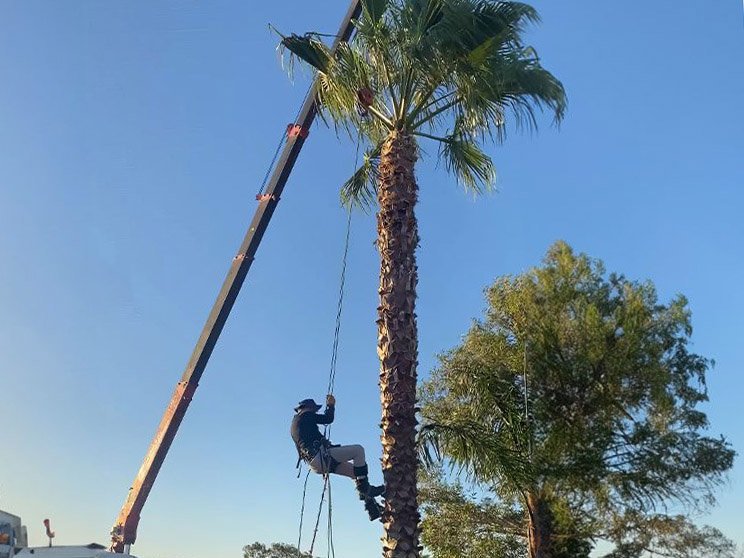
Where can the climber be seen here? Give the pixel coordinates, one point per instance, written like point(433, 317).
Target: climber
point(323, 457)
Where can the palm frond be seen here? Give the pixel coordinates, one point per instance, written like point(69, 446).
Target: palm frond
point(421, 16)
point(514, 16)
point(361, 188)
point(478, 453)
point(520, 82)
point(309, 49)
point(479, 56)
point(486, 72)
point(375, 9)
point(468, 23)
point(468, 163)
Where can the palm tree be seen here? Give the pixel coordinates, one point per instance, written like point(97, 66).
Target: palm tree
point(449, 71)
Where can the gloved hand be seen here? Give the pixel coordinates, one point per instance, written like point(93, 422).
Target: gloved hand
point(330, 400)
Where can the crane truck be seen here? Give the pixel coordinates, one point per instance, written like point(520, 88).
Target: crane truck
point(13, 536)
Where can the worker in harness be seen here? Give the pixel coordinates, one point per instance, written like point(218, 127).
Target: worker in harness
point(323, 457)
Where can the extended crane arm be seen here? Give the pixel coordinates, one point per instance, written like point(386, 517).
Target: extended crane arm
point(124, 532)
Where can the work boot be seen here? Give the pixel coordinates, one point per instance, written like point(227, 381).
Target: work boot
point(362, 484)
point(374, 511)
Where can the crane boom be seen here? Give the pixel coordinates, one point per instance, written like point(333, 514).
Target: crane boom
point(124, 532)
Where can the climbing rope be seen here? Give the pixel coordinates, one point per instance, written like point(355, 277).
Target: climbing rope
point(339, 310)
point(327, 428)
point(331, 385)
point(302, 513)
point(326, 489)
point(331, 553)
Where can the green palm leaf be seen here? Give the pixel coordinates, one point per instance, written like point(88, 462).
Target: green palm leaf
point(309, 49)
point(478, 453)
point(360, 189)
point(468, 163)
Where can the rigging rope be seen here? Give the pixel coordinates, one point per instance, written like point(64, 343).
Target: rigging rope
point(272, 163)
point(302, 513)
point(331, 553)
point(339, 310)
point(326, 488)
point(331, 384)
point(282, 141)
point(327, 429)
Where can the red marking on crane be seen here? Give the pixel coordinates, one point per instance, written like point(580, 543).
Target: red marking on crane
point(297, 130)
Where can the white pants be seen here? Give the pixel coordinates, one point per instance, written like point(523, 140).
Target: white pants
point(344, 455)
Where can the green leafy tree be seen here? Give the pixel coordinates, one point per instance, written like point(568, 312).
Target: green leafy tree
point(452, 72)
point(465, 524)
point(276, 550)
point(577, 391)
point(460, 523)
point(639, 536)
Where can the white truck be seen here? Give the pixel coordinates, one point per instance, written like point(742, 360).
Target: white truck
point(14, 543)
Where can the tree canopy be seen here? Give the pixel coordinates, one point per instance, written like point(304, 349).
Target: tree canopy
point(578, 390)
point(461, 522)
point(452, 71)
point(276, 550)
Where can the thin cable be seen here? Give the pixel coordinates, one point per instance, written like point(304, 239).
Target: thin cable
point(339, 308)
point(320, 512)
point(526, 404)
point(340, 304)
point(282, 141)
point(310, 88)
point(278, 150)
point(302, 515)
point(330, 388)
point(331, 551)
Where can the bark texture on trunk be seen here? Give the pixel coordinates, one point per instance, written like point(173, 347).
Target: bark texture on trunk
point(397, 343)
point(540, 526)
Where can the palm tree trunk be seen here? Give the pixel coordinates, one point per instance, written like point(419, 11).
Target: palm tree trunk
point(397, 345)
point(540, 526)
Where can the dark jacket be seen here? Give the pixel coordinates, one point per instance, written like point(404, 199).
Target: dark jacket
point(305, 432)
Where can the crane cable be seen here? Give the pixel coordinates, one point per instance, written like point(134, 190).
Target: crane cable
point(280, 144)
point(330, 387)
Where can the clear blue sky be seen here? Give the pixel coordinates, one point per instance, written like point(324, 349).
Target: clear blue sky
point(133, 136)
